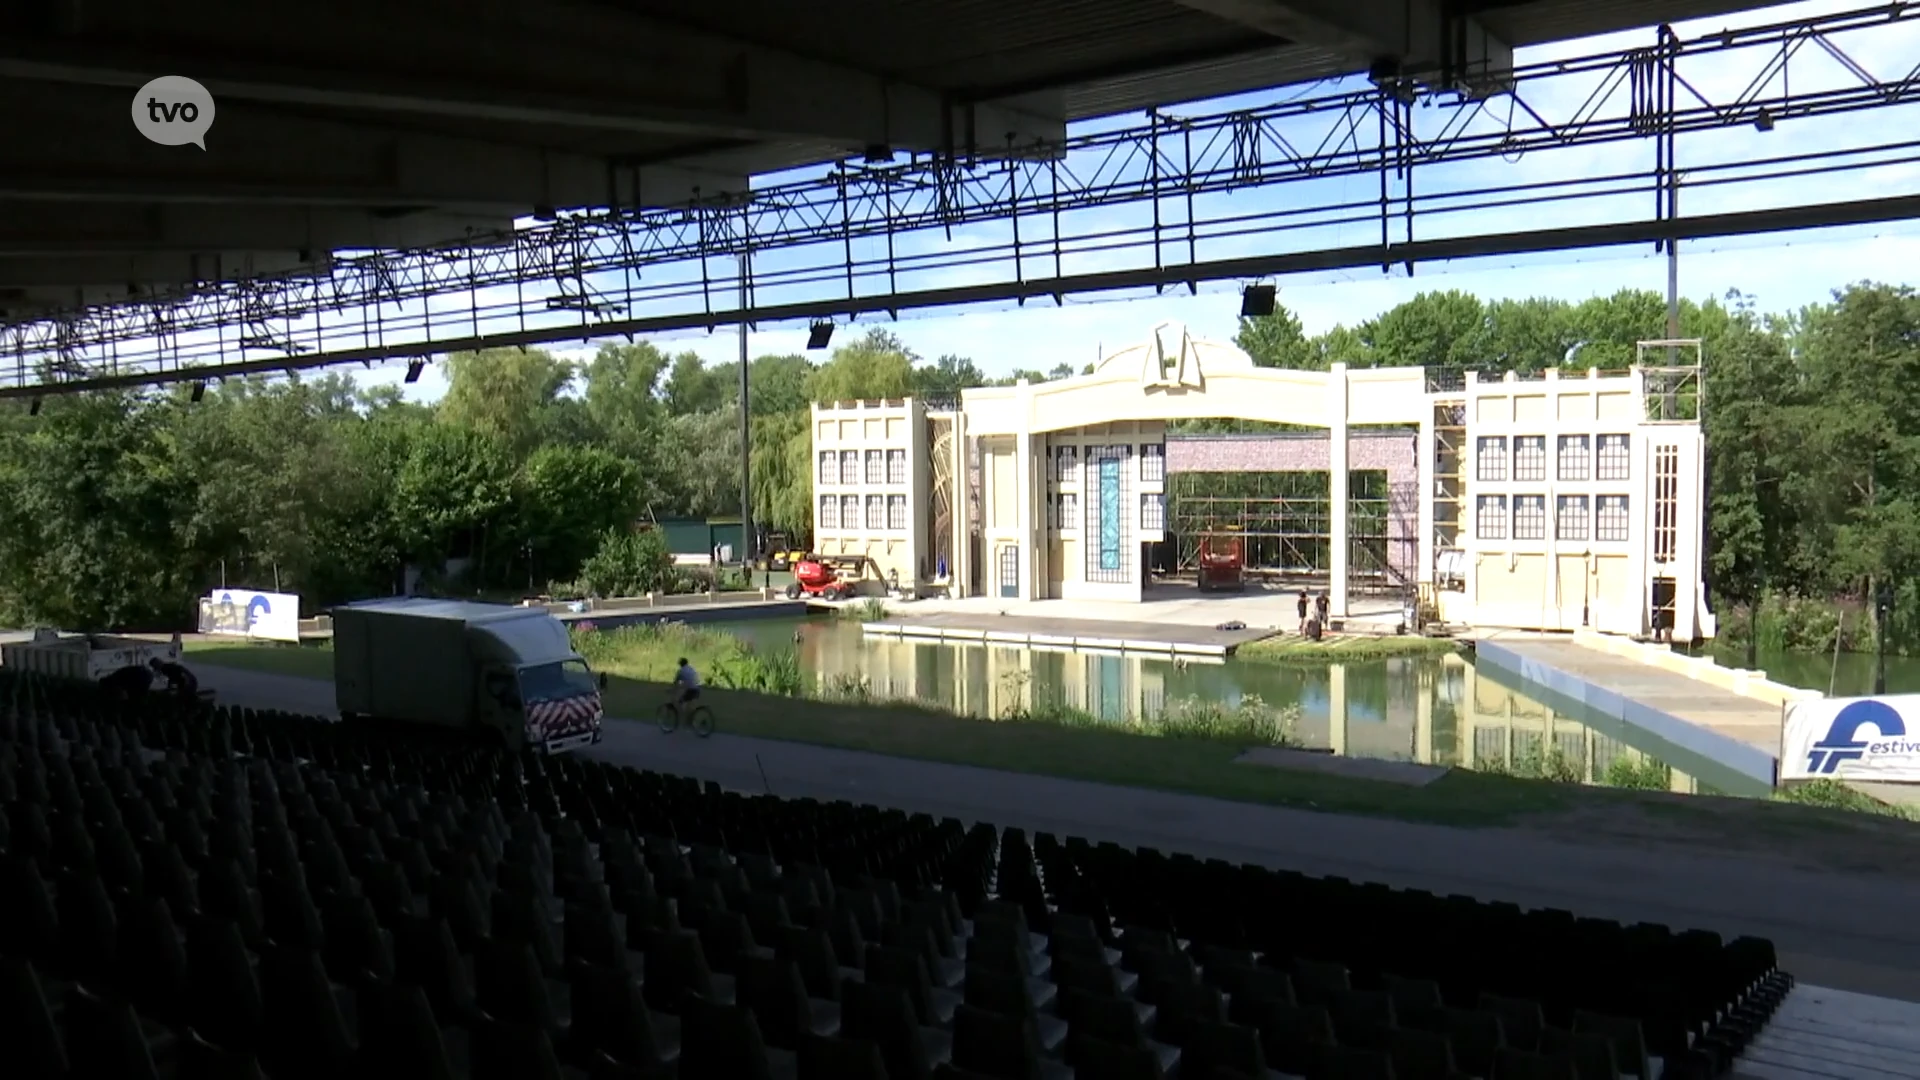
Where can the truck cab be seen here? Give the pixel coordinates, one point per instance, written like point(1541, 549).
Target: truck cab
point(498, 672)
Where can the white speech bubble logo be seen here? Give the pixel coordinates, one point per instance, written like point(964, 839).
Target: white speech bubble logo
point(173, 110)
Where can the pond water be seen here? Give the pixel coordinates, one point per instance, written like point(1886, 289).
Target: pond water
point(1848, 675)
point(1439, 710)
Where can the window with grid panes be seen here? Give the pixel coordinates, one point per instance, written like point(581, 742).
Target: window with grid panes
point(1529, 517)
point(1530, 457)
point(897, 513)
point(1576, 457)
point(1610, 521)
point(829, 467)
point(1490, 458)
point(1153, 463)
point(1065, 465)
point(1490, 517)
point(849, 512)
point(876, 467)
point(1571, 518)
point(849, 466)
point(896, 466)
point(876, 513)
point(1616, 458)
point(1069, 511)
point(829, 511)
point(1153, 512)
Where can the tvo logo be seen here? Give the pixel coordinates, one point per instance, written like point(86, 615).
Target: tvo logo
point(173, 110)
point(1843, 743)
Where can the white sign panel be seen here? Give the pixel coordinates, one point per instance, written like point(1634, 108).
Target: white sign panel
point(1864, 738)
point(240, 613)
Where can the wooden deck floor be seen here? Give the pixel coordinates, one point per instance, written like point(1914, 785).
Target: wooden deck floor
point(1824, 1034)
point(1080, 633)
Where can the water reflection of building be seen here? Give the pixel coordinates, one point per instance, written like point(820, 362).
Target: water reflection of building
point(1418, 708)
point(992, 680)
point(1502, 727)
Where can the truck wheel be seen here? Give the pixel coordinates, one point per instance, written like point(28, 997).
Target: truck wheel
point(793, 590)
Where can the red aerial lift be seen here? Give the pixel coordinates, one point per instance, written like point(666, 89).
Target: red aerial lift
point(1223, 561)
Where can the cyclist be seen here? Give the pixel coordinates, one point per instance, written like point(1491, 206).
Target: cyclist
point(686, 682)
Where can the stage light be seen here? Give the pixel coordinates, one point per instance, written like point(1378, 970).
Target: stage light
point(33, 409)
point(1256, 302)
point(199, 391)
point(414, 368)
point(819, 334)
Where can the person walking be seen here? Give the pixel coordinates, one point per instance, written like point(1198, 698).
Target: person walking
point(1320, 606)
point(1304, 604)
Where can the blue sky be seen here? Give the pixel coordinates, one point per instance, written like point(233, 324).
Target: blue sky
point(1780, 273)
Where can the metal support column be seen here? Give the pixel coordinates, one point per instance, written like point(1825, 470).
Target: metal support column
point(746, 422)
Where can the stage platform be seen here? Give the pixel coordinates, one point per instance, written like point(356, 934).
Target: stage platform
point(1040, 632)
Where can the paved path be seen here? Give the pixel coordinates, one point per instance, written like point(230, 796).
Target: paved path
point(1849, 931)
point(1751, 721)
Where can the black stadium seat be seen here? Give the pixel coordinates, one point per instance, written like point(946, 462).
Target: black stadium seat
point(252, 894)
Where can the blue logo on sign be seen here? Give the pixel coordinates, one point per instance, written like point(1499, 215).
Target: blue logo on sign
point(256, 607)
point(1843, 742)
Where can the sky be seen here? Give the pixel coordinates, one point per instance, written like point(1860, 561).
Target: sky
point(1779, 273)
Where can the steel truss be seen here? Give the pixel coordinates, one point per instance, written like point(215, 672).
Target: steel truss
point(831, 246)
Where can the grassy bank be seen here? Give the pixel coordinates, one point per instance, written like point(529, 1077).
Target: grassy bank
point(1190, 747)
point(1293, 649)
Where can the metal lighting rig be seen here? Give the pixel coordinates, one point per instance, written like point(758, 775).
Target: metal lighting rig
point(1159, 204)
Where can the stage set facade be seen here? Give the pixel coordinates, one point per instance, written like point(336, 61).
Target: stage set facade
point(1552, 501)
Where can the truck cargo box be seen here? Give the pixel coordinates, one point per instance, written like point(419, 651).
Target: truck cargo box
point(421, 660)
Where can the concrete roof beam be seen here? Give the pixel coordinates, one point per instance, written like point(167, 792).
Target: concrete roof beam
point(36, 229)
point(1420, 35)
point(58, 150)
point(567, 65)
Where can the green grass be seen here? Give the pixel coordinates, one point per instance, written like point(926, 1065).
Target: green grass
point(305, 660)
point(1292, 649)
point(1191, 748)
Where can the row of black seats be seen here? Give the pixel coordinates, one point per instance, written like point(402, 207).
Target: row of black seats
point(276, 892)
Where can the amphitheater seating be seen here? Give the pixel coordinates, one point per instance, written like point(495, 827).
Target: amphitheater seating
point(250, 895)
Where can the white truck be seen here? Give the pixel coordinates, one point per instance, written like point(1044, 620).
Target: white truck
point(499, 672)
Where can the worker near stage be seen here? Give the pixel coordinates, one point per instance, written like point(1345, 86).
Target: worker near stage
point(128, 683)
point(1304, 603)
point(180, 681)
point(1320, 605)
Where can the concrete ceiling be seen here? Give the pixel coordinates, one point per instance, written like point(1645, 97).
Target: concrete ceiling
point(377, 123)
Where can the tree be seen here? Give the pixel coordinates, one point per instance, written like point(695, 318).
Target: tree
point(1434, 329)
point(505, 394)
point(692, 387)
point(876, 366)
point(947, 376)
point(92, 499)
point(569, 497)
point(450, 488)
point(1277, 341)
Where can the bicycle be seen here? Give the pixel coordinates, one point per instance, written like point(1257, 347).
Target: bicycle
point(699, 718)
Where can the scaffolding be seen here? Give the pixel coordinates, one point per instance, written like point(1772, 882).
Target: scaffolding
point(1283, 521)
point(1449, 478)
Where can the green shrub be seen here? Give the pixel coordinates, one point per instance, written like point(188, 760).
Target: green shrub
point(629, 564)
